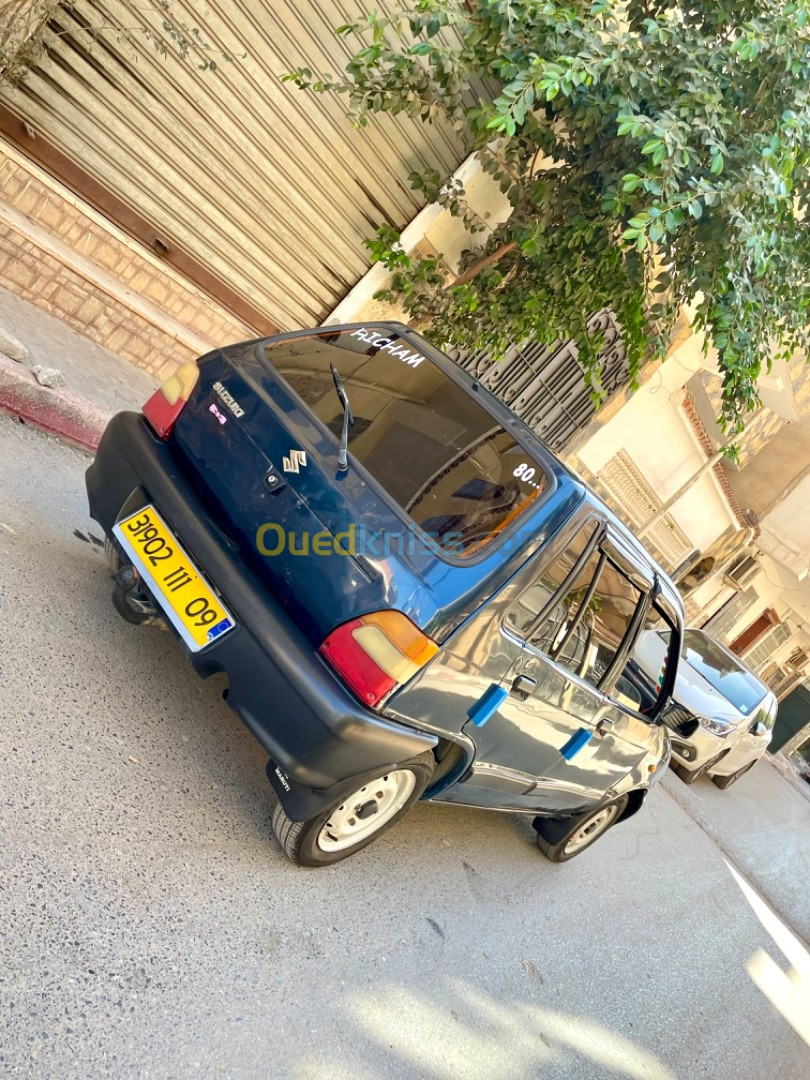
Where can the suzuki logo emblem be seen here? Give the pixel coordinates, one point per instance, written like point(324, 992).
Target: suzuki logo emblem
point(296, 458)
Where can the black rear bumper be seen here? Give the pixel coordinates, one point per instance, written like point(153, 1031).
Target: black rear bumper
point(310, 725)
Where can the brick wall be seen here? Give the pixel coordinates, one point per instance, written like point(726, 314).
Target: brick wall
point(62, 290)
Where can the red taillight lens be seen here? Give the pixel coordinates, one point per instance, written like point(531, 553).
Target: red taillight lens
point(377, 652)
point(168, 401)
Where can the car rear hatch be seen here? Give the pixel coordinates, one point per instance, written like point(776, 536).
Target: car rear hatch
point(433, 477)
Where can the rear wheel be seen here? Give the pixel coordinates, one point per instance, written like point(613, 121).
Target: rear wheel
point(724, 782)
point(561, 839)
point(114, 560)
point(358, 819)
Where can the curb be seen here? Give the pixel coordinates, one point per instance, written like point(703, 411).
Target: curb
point(59, 412)
point(784, 767)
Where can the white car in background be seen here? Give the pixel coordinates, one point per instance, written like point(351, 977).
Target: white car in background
point(734, 709)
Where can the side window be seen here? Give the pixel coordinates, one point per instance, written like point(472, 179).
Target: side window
point(605, 622)
point(640, 684)
point(523, 614)
point(564, 634)
point(767, 713)
point(586, 625)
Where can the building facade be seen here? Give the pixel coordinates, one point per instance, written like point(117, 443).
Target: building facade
point(159, 195)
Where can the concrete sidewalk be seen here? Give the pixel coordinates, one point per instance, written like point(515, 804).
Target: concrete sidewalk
point(97, 383)
point(762, 826)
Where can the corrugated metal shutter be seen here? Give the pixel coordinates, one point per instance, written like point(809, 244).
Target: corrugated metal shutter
point(269, 188)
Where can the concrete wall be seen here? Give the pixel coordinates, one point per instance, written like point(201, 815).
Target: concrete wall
point(654, 431)
point(433, 231)
point(768, 478)
point(789, 524)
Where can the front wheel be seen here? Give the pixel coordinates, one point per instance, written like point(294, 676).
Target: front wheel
point(359, 818)
point(692, 776)
point(724, 782)
point(561, 839)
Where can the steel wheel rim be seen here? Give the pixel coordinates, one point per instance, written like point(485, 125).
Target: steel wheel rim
point(590, 829)
point(366, 810)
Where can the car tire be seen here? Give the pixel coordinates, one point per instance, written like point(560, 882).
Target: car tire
point(562, 839)
point(692, 776)
point(724, 782)
point(357, 819)
point(114, 560)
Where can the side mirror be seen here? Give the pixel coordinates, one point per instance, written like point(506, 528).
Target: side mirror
point(759, 729)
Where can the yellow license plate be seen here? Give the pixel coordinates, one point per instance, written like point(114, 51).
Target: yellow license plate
point(189, 602)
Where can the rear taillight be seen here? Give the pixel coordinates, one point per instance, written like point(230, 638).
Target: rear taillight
point(378, 652)
point(168, 401)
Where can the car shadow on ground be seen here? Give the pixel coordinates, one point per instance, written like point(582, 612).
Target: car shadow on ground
point(179, 709)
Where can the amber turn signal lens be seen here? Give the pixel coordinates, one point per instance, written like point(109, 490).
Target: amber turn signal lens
point(168, 401)
point(181, 383)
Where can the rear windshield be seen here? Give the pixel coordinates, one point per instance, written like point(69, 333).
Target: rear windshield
point(722, 671)
point(433, 448)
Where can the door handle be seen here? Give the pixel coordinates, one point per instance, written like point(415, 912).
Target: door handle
point(523, 686)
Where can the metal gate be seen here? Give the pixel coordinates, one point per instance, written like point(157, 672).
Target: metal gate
point(544, 385)
point(793, 716)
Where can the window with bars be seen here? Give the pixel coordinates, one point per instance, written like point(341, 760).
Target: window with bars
point(624, 487)
point(730, 613)
point(544, 385)
point(763, 652)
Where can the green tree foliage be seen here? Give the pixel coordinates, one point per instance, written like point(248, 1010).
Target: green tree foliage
point(25, 25)
point(655, 155)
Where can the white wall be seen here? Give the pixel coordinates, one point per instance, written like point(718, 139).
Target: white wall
point(639, 419)
point(653, 430)
point(795, 594)
point(447, 234)
point(786, 529)
point(703, 513)
point(443, 231)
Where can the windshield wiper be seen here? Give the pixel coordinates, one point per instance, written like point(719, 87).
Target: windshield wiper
point(343, 452)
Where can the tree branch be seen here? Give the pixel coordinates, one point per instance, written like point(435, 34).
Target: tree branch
point(473, 271)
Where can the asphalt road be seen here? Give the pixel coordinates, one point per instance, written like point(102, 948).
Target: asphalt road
point(150, 927)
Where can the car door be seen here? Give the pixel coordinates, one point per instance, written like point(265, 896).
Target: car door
point(470, 675)
point(568, 725)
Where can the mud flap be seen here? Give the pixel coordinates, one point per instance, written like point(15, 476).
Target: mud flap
point(302, 803)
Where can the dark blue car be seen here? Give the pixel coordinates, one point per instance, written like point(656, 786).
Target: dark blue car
point(411, 597)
